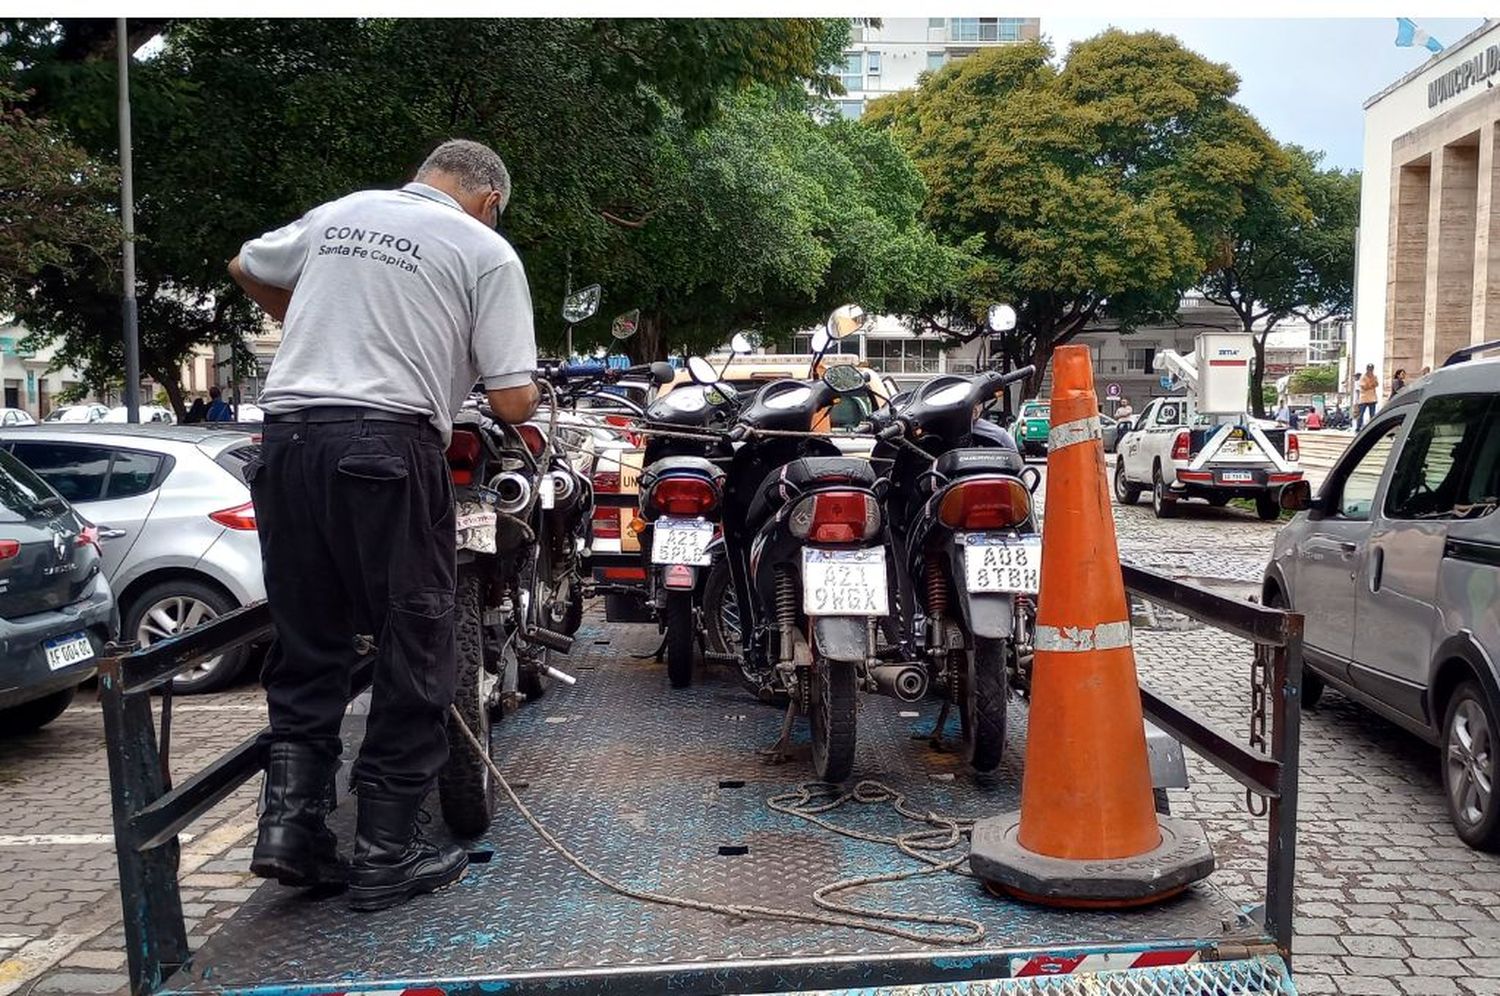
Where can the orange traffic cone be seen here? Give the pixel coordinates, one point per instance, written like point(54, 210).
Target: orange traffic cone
point(1087, 833)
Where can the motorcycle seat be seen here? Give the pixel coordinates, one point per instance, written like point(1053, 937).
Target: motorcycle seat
point(979, 460)
point(791, 480)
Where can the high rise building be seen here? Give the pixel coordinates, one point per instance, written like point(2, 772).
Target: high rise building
point(889, 58)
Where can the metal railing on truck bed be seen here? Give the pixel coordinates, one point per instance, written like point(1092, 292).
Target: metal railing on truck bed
point(149, 812)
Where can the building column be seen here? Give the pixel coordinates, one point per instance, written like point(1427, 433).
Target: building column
point(1407, 295)
point(1430, 268)
point(1485, 320)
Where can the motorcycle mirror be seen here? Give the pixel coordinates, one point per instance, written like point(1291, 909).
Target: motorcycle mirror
point(843, 378)
point(844, 321)
point(1002, 318)
point(624, 326)
point(820, 341)
point(702, 371)
point(738, 343)
point(663, 373)
point(580, 305)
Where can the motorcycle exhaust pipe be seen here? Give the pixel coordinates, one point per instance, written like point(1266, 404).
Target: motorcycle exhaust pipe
point(512, 492)
point(556, 675)
point(565, 489)
point(906, 682)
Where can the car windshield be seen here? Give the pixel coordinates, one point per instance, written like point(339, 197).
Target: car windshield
point(24, 497)
point(1036, 411)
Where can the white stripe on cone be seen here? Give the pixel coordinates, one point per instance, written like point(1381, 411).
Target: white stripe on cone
point(1080, 430)
point(1075, 639)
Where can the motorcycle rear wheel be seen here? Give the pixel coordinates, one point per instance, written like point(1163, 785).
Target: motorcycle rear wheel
point(983, 698)
point(467, 791)
point(835, 704)
point(680, 633)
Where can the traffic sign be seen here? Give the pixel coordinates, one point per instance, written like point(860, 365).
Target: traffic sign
point(1112, 391)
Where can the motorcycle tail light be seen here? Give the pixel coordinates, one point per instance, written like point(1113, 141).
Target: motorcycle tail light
point(240, 517)
point(836, 517)
point(683, 496)
point(983, 503)
point(1293, 449)
point(532, 436)
point(1182, 446)
point(463, 455)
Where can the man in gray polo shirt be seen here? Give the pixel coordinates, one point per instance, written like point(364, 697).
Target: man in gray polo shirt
point(394, 303)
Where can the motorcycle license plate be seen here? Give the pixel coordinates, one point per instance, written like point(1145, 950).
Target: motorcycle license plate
point(999, 563)
point(1236, 476)
point(65, 651)
point(681, 541)
point(475, 523)
point(844, 582)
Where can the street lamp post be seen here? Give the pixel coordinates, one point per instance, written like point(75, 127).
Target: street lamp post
point(127, 219)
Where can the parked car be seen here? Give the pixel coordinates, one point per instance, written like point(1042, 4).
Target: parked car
point(1109, 431)
point(1033, 423)
point(56, 609)
point(175, 520)
point(1395, 566)
point(77, 413)
point(15, 416)
point(148, 413)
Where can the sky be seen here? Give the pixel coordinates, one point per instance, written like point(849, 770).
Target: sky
point(1306, 80)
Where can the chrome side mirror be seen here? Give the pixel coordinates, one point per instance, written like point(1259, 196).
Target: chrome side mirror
point(1001, 318)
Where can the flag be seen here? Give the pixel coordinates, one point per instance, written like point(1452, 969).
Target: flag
point(1408, 34)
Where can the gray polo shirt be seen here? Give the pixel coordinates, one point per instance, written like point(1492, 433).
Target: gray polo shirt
point(400, 301)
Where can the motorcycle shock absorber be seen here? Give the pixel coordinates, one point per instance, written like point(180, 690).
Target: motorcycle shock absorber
point(937, 591)
point(786, 608)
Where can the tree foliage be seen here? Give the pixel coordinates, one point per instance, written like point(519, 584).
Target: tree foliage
point(1098, 189)
point(1314, 380)
point(1291, 252)
point(53, 201)
point(243, 124)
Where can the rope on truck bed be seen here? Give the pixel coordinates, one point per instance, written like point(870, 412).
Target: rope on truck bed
point(809, 802)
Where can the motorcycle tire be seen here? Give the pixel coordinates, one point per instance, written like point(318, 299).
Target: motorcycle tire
point(984, 698)
point(721, 634)
point(573, 617)
point(680, 634)
point(467, 792)
point(835, 704)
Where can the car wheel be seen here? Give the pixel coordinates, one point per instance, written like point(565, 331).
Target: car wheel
point(28, 717)
point(1312, 684)
point(1267, 507)
point(1125, 492)
point(1469, 767)
point(176, 606)
point(1163, 505)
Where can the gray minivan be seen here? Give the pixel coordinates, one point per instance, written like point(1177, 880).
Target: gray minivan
point(1395, 566)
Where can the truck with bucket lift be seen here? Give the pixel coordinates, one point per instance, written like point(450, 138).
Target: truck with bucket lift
point(650, 849)
point(1204, 443)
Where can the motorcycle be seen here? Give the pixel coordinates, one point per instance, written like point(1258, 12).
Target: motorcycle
point(804, 539)
point(681, 496)
point(964, 538)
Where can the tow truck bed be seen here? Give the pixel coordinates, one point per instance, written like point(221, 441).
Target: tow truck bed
point(665, 790)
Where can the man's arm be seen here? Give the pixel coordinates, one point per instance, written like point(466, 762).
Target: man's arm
point(273, 300)
point(514, 404)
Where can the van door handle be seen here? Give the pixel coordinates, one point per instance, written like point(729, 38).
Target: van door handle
point(1377, 567)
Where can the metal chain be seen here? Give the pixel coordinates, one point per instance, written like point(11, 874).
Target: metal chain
point(1260, 680)
point(808, 802)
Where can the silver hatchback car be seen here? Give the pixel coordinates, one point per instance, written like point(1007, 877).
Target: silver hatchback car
point(1395, 566)
point(175, 522)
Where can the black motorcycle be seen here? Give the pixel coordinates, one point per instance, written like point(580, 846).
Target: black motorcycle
point(964, 537)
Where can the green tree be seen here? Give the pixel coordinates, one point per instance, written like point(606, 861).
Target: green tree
point(1291, 252)
point(53, 201)
point(1098, 189)
point(1314, 380)
point(243, 124)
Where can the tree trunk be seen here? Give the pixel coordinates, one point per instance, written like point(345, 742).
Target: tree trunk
point(649, 343)
point(1041, 355)
point(173, 386)
point(1258, 370)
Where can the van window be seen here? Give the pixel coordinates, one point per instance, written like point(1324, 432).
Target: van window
point(1450, 465)
point(1358, 486)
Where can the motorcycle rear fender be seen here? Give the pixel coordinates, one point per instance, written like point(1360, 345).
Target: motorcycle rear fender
point(990, 614)
point(841, 638)
point(678, 577)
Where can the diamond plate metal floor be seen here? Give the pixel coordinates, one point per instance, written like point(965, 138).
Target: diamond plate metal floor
point(666, 790)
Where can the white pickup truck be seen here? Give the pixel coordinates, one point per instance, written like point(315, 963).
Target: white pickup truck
point(1178, 454)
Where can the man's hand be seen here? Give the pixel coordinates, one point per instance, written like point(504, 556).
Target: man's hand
point(273, 300)
point(514, 404)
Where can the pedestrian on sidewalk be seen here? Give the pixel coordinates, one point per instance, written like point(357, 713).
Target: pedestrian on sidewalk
point(218, 408)
point(394, 303)
point(1369, 395)
point(1398, 381)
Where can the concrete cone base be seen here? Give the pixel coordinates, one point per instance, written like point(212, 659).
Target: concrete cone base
point(1182, 857)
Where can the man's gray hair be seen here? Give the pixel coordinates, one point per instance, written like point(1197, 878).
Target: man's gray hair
point(476, 167)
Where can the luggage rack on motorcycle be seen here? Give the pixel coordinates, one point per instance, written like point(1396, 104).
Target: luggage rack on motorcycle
point(519, 924)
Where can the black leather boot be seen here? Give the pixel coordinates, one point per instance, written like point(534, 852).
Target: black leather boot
point(392, 860)
point(295, 846)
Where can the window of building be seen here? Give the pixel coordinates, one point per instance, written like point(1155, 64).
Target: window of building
point(1449, 467)
point(936, 22)
point(851, 109)
point(1010, 28)
point(904, 356)
point(873, 63)
point(1140, 358)
point(935, 60)
point(853, 74)
point(977, 29)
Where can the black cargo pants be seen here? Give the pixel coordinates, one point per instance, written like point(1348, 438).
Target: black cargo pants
point(357, 537)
